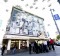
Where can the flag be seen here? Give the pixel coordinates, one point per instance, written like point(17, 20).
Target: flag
point(56, 17)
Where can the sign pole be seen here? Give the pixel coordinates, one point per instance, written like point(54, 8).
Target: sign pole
point(55, 21)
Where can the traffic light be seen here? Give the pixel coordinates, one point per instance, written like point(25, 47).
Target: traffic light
point(58, 1)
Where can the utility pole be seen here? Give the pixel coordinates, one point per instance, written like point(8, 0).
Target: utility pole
point(54, 21)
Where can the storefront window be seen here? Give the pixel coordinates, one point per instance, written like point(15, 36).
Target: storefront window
point(15, 43)
point(23, 44)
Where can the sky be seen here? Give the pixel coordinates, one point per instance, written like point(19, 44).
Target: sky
point(37, 7)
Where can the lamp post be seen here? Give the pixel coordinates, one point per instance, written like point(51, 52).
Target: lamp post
point(55, 21)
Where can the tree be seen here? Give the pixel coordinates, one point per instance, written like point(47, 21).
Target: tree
point(58, 37)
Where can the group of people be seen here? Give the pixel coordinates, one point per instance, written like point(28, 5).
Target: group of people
point(35, 47)
point(46, 46)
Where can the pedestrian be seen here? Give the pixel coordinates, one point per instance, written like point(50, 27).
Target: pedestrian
point(45, 46)
point(52, 43)
point(3, 49)
point(40, 48)
point(48, 44)
point(14, 50)
point(30, 48)
point(36, 47)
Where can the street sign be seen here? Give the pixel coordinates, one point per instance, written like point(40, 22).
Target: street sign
point(56, 17)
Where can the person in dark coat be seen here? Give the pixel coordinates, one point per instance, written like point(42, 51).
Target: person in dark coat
point(48, 44)
point(30, 48)
point(3, 49)
point(36, 47)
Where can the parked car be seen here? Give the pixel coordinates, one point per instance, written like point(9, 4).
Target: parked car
point(57, 43)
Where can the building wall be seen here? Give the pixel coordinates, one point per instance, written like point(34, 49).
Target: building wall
point(24, 23)
point(35, 7)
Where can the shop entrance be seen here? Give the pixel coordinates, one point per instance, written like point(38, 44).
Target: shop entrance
point(5, 42)
point(15, 43)
point(23, 44)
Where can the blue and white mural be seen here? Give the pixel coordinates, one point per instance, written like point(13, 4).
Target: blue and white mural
point(24, 23)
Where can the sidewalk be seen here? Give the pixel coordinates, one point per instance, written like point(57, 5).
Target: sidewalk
point(51, 53)
point(57, 50)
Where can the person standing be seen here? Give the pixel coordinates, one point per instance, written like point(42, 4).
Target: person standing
point(52, 43)
point(32, 45)
point(36, 47)
point(45, 46)
point(30, 48)
point(3, 49)
point(48, 44)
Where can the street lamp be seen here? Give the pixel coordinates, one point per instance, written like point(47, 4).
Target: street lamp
point(54, 20)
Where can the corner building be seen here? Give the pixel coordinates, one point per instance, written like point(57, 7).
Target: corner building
point(22, 28)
